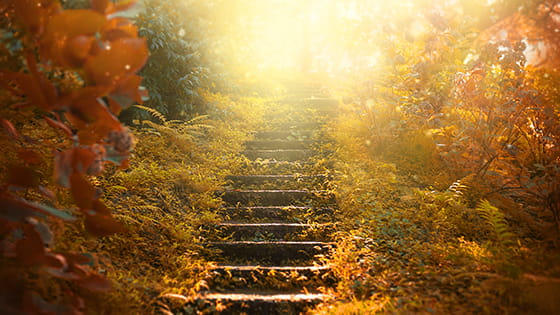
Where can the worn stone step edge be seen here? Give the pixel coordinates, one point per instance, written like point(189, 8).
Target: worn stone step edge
point(278, 144)
point(271, 252)
point(284, 134)
point(270, 303)
point(235, 278)
point(277, 297)
point(279, 154)
point(275, 231)
point(273, 213)
point(276, 197)
point(269, 178)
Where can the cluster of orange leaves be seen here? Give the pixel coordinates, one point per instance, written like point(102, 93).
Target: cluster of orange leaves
point(106, 52)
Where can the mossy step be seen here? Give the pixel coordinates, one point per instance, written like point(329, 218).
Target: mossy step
point(271, 253)
point(232, 278)
point(277, 213)
point(278, 144)
point(260, 303)
point(274, 167)
point(279, 154)
point(285, 134)
point(294, 125)
point(280, 180)
point(275, 231)
point(277, 197)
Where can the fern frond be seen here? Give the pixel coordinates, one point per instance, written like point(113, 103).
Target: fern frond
point(458, 188)
point(154, 113)
point(497, 222)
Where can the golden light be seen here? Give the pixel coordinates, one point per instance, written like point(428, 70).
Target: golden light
point(329, 35)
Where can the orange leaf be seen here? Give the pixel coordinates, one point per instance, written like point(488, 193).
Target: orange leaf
point(69, 36)
point(82, 191)
point(102, 225)
point(30, 249)
point(96, 282)
point(71, 23)
point(22, 176)
point(10, 129)
point(30, 157)
point(119, 28)
point(127, 92)
point(57, 124)
point(34, 13)
point(120, 58)
point(100, 208)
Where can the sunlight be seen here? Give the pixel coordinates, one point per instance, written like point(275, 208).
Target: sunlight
point(324, 35)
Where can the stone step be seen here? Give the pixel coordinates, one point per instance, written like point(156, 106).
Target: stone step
point(275, 231)
point(277, 253)
point(273, 303)
point(278, 144)
point(295, 125)
point(284, 181)
point(277, 197)
point(285, 134)
point(279, 155)
point(273, 167)
point(233, 278)
point(279, 213)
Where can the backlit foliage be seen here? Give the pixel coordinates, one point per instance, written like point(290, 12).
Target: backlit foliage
point(74, 71)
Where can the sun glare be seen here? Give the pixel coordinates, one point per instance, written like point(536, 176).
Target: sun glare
point(324, 35)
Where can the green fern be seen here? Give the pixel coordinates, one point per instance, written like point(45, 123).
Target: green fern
point(181, 133)
point(154, 113)
point(496, 220)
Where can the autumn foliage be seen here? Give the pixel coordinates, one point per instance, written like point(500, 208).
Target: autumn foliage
point(103, 53)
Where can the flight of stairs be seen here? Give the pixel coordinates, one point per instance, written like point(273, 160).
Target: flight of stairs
point(277, 219)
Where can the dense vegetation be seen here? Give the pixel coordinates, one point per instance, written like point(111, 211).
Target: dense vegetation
point(446, 148)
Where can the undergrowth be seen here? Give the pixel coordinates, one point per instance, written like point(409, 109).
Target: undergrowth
point(413, 240)
point(163, 199)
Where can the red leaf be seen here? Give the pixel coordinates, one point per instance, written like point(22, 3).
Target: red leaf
point(34, 13)
point(10, 129)
point(30, 250)
point(30, 157)
point(126, 93)
point(96, 282)
point(82, 191)
point(100, 208)
point(83, 159)
point(78, 259)
point(117, 61)
point(102, 225)
point(22, 176)
point(42, 92)
point(55, 261)
point(35, 304)
point(59, 125)
point(14, 210)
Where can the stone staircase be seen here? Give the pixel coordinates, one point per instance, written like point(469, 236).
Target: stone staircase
point(277, 220)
